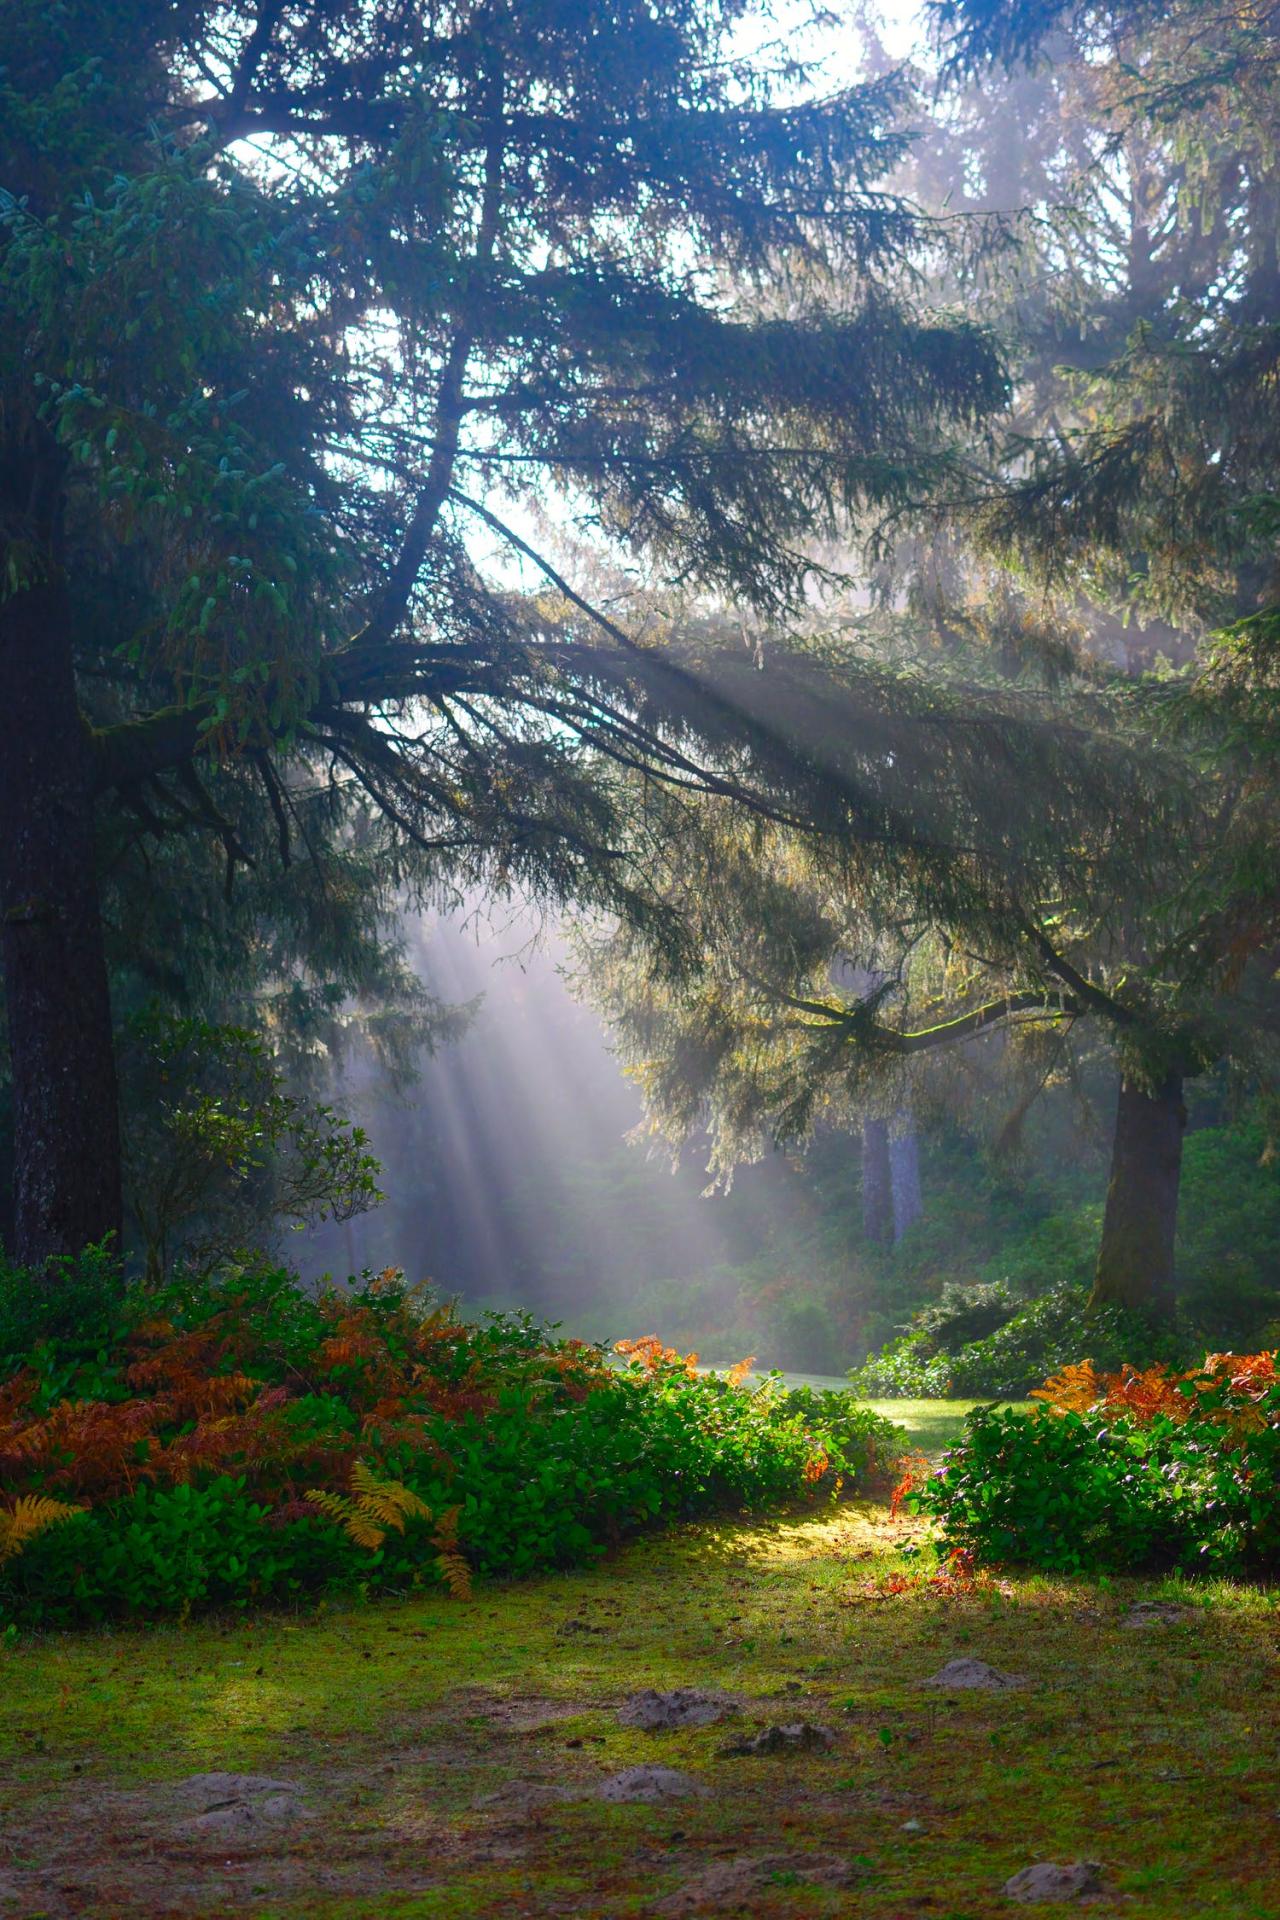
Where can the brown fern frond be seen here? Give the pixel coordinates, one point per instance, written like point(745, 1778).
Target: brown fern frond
point(386, 1501)
point(359, 1528)
point(452, 1567)
point(32, 1514)
point(372, 1506)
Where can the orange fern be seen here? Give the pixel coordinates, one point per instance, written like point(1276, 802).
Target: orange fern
point(650, 1353)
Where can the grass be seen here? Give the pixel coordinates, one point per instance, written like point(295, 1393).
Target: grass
point(1151, 1751)
point(933, 1425)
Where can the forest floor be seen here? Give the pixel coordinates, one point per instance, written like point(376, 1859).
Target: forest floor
point(446, 1759)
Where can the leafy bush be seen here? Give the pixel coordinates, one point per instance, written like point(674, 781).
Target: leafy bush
point(241, 1441)
point(961, 1314)
point(1133, 1469)
point(73, 1308)
point(216, 1149)
point(1043, 1337)
point(905, 1369)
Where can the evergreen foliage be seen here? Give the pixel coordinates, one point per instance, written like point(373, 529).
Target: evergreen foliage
point(298, 312)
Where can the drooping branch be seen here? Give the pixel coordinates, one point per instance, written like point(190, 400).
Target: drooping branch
point(965, 1026)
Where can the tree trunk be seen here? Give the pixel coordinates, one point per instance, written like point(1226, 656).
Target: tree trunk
point(1135, 1260)
point(877, 1183)
point(66, 1121)
point(904, 1168)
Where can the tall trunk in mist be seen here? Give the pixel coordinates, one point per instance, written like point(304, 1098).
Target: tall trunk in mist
point(877, 1183)
point(904, 1171)
point(66, 1123)
point(1135, 1260)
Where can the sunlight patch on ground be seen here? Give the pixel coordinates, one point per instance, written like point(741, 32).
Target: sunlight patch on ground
point(400, 1721)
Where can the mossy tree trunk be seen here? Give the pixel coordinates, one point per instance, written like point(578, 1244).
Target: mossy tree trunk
point(1136, 1258)
point(67, 1178)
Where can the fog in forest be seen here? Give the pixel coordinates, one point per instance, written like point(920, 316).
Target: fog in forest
point(512, 1168)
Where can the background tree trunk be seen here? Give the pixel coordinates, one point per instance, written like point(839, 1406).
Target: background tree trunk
point(1135, 1260)
point(66, 1120)
point(877, 1183)
point(904, 1170)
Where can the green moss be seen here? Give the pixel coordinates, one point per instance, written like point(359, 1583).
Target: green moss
point(1147, 1750)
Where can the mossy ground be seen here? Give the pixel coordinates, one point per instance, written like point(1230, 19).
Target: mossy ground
point(1152, 1751)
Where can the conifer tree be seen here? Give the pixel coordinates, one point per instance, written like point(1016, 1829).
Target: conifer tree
point(302, 312)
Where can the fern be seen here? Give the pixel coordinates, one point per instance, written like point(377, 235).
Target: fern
point(372, 1506)
point(454, 1570)
point(32, 1514)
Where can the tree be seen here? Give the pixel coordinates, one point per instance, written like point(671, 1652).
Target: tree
point(300, 307)
point(1155, 498)
point(996, 910)
point(1135, 498)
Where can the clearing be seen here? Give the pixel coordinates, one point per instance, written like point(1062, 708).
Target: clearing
point(433, 1758)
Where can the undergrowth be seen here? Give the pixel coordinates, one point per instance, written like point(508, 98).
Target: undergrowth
point(240, 1441)
point(1135, 1469)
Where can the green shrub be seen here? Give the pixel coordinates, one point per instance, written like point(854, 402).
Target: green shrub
point(1048, 1334)
point(72, 1309)
point(905, 1369)
point(961, 1314)
point(194, 1432)
point(1191, 1481)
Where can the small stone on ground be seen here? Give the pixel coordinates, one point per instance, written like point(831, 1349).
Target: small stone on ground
point(648, 1783)
point(1047, 1880)
point(974, 1674)
point(685, 1707)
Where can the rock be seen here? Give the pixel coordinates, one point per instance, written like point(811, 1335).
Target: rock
point(800, 1737)
point(912, 1826)
point(735, 1883)
point(1156, 1613)
point(686, 1707)
point(1046, 1880)
point(221, 1802)
point(975, 1675)
point(650, 1784)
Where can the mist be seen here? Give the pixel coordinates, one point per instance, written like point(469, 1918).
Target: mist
point(516, 1173)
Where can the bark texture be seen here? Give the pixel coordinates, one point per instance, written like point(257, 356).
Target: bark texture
point(66, 1119)
point(1136, 1257)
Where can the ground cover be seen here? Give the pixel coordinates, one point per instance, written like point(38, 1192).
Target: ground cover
point(932, 1425)
point(443, 1758)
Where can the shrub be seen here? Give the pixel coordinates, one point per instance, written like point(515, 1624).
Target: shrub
point(73, 1307)
point(216, 1149)
point(1045, 1336)
point(962, 1314)
point(240, 1441)
point(1137, 1468)
point(904, 1369)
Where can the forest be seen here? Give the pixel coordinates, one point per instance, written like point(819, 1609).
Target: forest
point(639, 958)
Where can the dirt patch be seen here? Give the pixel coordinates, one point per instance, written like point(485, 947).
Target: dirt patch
point(509, 1712)
point(801, 1736)
point(736, 1884)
